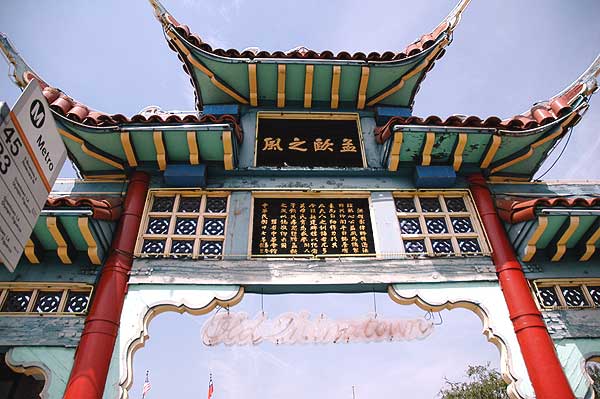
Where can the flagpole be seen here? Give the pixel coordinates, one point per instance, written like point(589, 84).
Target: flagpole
point(146, 382)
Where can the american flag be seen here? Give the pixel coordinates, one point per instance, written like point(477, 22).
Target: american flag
point(147, 386)
point(210, 388)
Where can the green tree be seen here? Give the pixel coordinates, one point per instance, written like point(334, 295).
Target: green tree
point(484, 383)
point(593, 370)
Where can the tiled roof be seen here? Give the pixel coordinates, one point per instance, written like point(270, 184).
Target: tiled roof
point(539, 115)
point(78, 112)
point(515, 210)
point(103, 208)
point(423, 43)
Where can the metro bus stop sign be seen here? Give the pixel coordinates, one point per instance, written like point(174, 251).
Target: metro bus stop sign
point(31, 156)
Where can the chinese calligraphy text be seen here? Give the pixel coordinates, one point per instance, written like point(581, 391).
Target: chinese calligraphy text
point(312, 227)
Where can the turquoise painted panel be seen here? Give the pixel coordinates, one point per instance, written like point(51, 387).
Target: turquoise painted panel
point(322, 84)
point(86, 162)
point(531, 164)
point(412, 145)
point(266, 78)
point(585, 222)
point(510, 145)
point(210, 93)
point(294, 82)
point(210, 145)
point(233, 74)
point(572, 354)
point(476, 147)
point(554, 223)
point(109, 142)
point(72, 229)
point(143, 145)
point(349, 81)
point(176, 145)
point(55, 361)
point(403, 96)
point(43, 234)
point(381, 76)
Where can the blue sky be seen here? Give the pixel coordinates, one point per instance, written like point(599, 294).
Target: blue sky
point(506, 55)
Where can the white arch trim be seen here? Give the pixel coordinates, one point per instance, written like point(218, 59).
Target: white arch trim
point(144, 302)
point(486, 300)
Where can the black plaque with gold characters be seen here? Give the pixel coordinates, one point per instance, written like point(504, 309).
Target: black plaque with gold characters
point(308, 142)
point(312, 227)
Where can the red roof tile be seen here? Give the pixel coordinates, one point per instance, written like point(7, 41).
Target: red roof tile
point(515, 210)
point(423, 43)
point(78, 112)
point(539, 115)
point(102, 208)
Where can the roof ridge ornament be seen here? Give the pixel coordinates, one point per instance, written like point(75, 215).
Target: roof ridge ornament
point(160, 12)
point(447, 26)
point(588, 80)
point(21, 73)
point(453, 19)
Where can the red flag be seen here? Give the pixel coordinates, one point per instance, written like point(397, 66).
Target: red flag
point(210, 388)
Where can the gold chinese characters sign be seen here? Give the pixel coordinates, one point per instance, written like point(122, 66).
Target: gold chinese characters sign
point(308, 140)
point(312, 227)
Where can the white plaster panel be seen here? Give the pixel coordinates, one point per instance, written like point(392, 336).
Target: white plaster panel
point(385, 224)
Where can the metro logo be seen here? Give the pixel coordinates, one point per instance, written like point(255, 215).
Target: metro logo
point(37, 113)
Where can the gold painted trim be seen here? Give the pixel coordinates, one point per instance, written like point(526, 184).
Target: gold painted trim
point(193, 147)
point(159, 146)
point(533, 146)
point(429, 142)
point(508, 179)
point(84, 228)
point(62, 249)
point(89, 152)
point(531, 248)
point(224, 88)
point(424, 64)
point(30, 252)
point(308, 85)
point(590, 245)
point(280, 85)
point(395, 151)
point(458, 152)
point(491, 152)
point(101, 178)
point(561, 245)
point(253, 85)
point(335, 86)
point(362, 88)
point(227, 150)
point(128, 148)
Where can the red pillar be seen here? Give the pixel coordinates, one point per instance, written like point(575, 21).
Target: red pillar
point(546, 373)
point(95, 348)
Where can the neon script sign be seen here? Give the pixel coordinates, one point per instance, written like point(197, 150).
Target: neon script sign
point(298, 328)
